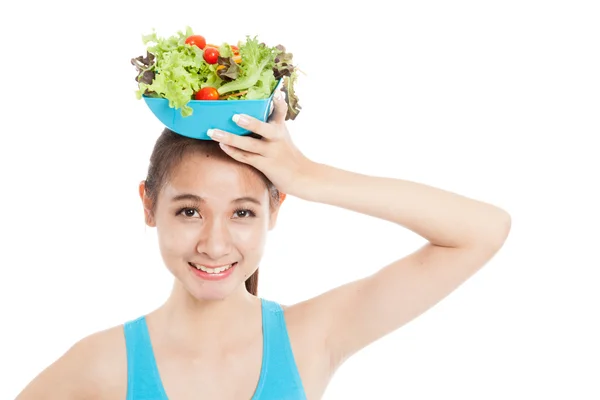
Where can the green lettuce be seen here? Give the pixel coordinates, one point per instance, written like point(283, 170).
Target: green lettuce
point(174, 70)
point(257, 58)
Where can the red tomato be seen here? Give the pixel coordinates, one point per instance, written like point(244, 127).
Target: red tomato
point(196, 40)
point(207, 93)
point(211, 55)
point(236, 50)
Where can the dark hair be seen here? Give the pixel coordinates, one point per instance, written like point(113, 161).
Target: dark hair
point(169, 150)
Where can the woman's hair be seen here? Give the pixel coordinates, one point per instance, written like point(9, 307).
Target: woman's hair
point(169, 150)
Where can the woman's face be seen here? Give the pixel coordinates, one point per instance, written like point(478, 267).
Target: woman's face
point(212, 219)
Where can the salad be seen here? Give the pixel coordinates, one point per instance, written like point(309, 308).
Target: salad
point(184, 67)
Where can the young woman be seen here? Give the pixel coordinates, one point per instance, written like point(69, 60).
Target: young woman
point(212, 203)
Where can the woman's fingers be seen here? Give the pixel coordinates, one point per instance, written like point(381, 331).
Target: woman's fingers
point(248, 149)
point(245, 143)
point(241, 155)
point(264, 129)
point(269, 129)
point(280, 108)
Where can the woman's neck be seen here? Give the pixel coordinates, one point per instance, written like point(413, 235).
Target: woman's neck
point(186, 320)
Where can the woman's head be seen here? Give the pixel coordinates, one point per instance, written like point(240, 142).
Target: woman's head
point(210, 211)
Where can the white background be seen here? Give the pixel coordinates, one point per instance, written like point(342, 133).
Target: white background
point(494, 100)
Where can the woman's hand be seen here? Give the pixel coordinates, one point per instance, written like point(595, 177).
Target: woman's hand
point(273, 154)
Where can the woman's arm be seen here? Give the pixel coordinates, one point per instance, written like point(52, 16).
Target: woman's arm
point(65, 378)
point(443, 218)
point(463, 234)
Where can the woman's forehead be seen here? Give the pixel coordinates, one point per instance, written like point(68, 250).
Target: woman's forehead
point(215, 176)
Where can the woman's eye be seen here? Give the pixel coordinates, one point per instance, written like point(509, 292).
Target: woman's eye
point(189, 212)
point(244, 213)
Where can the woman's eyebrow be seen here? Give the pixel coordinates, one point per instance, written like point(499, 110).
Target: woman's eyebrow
point(198, 199)
point(247, 199)
point(188, 196)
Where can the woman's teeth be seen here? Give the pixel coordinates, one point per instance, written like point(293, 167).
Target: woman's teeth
point(212, 270)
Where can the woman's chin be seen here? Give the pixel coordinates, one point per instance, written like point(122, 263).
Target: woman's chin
point(213, 291)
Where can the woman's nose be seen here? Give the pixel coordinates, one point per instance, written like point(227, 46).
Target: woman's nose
point(215, 240)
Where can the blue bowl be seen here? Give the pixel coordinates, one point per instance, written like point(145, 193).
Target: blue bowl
point(209, 114)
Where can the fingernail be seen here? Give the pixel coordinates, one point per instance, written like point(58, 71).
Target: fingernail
point(215, 134)
point(240, 119)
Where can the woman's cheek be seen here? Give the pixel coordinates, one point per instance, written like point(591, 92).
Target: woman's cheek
point(249, 237)
point(180, 236)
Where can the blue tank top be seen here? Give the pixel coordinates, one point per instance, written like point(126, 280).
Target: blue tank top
point(279, 377)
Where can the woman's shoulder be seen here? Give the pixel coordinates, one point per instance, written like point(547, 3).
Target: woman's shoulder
point(93, 367)
point(107, 347)
point(103, 357)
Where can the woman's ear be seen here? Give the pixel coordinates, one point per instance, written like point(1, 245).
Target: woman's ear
point(147, 204)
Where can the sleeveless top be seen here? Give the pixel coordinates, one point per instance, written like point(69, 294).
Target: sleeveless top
point(279, 377)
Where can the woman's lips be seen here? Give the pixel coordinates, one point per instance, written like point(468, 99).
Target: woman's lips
point(212, 272)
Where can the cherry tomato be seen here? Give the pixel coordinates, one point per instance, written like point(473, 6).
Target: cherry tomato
point(196, 40)
point(211, 55)
point(207, 93)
